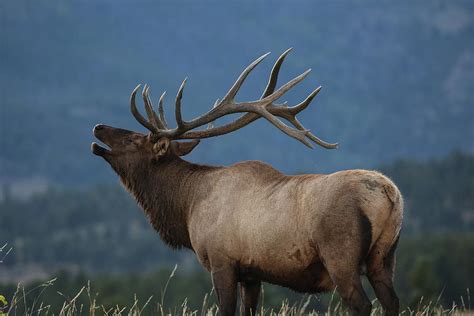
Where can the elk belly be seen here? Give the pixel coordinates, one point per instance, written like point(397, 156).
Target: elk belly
point(284, 257)
point(312, 278)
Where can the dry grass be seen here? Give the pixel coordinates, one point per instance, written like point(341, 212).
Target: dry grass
point(72, 306)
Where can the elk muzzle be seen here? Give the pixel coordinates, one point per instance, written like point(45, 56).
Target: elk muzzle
point(96, 148)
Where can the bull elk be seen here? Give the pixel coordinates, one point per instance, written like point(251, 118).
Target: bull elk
point(249, 223)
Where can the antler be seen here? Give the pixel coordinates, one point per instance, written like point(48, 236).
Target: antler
point(264, 107)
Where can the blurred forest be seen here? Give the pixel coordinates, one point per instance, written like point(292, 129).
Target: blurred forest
point(397, 95)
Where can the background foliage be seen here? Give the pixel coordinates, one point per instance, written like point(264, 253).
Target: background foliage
point(397, 95)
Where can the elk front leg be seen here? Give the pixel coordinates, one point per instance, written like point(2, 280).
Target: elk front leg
point(224, 279)
point(249, 293)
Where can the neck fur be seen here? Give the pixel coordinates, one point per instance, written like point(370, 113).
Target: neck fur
point(166, 190)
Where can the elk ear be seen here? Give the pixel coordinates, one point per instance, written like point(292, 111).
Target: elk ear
point(183, 148)
point(160, 148)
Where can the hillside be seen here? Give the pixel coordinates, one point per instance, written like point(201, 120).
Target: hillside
point(396, 79)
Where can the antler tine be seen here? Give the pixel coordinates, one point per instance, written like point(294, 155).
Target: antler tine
point(304, 104)
point(289, 113)
point(272, 81)
point(300, 107)
point(287, 86)
point(293, 120)
point(152, 116)
point(298, 134)
point(238, 83)
point(179, 96)
point(137, 114)
point(211, 124)
point(161, 111)
point(321, 142)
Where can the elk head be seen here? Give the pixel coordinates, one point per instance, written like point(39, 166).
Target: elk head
point(128, 149)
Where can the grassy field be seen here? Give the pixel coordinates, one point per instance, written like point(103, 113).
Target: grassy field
point(86, 302)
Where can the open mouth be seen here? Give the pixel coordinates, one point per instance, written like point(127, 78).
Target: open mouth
point(99, 150)
point(96, 148)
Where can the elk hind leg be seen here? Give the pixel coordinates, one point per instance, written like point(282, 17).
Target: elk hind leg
point(350, 289)
point(343, 268)
point(346, 242)
point(380, 272)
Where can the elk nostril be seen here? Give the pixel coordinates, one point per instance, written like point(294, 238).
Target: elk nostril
point(98, 127)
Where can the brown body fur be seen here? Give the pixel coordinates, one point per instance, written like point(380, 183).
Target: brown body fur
point(249, 223)
point(270, 226)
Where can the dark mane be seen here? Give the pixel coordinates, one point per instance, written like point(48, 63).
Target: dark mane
point(176, 183)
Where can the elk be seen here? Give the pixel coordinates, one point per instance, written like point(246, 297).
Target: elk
point(248, 223)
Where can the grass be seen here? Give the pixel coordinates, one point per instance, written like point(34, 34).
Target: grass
point(85, 302)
